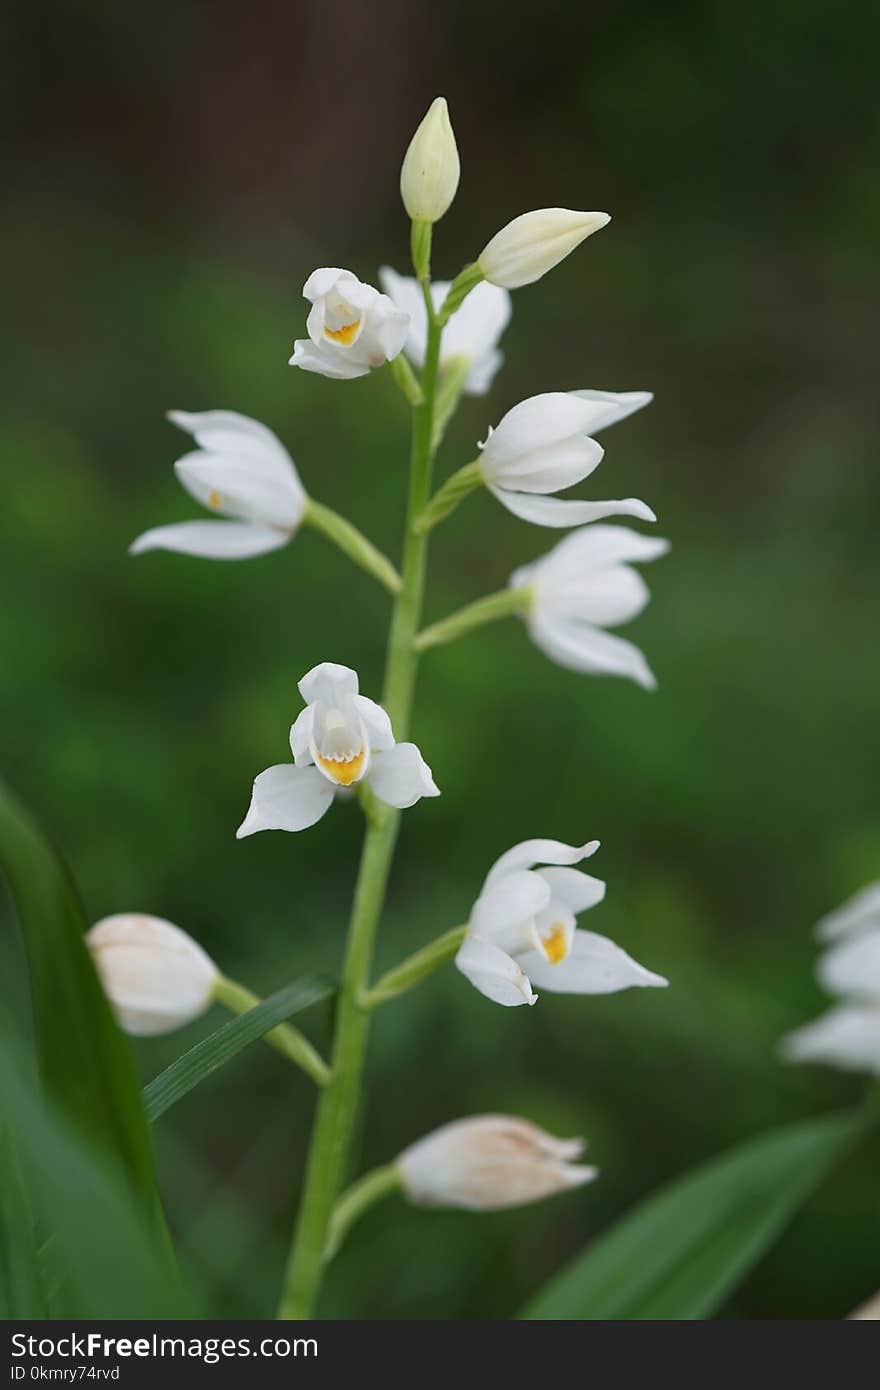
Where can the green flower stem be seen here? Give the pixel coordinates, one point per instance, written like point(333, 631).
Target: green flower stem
point(351, 541)
point(504, 604)
point(371, 1188)
point(406, 379)
point(420, 237)
point(446, 498)
point(414, 969)
point(458, 291)
point(332, 1132)
point(285, 1038)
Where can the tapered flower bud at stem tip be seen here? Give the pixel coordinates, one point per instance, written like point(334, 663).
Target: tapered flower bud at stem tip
point(431, 169)
point(534, 243)
point(489, 1162)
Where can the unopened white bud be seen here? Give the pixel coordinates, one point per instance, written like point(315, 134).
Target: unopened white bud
point(488, 1162)
point(430, 171)
point(534, 243)
point(155, 976)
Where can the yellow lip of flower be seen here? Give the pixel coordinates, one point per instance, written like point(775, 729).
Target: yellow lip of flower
point(345, 771)
point(554, 944)
point(215, 500)
point(346, 334)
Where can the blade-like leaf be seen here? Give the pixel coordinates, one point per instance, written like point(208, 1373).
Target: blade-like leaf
point(238, 1033)
point(21, 1282)
point(679, 1254)
point(85, 1061)
point(103, 1255)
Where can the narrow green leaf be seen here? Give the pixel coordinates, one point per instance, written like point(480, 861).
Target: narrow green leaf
point(680, 1253)
point(21, 1283)
point(103, 1256)
point(220, 1047)
point(85, 1061)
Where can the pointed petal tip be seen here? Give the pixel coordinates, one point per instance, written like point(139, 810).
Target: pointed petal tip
point(578, 1174)
point(650, 980)
point(590, 848)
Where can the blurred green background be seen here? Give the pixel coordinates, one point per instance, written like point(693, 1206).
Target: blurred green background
point(174, 178)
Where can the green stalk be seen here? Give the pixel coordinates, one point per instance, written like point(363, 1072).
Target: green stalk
point(285, 1038)
point(371, 1188)
point(505, 604)
point(352, 543)
point(332, 1132)
point(415, 968)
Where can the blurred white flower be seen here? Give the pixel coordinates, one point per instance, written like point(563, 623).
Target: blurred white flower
point(155, 976)
point(522, 930)
point(340, 738)
point(582, 586)
point(848, 1035)
point(859, 913)
point(544, 445)
point(352, 327)
point(489, 1162)
point(472, 332)
point(431, 169)
point(534, 243)
point(242, 470)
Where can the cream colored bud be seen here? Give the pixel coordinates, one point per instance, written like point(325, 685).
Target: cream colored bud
point(430, 172)
point(155, 976)
point(534, 243)
point(488, 1162)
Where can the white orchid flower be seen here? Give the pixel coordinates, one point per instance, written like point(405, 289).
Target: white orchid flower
point(154, 975)
point(584, 585)
point(340, 739)
point(352, 327)
point(848, 1035)
point(472, 332)
point(242, 470)
point(522, 930)
point(489, 1162)
point(545, 444)
point(859, 913)
point(534, 243)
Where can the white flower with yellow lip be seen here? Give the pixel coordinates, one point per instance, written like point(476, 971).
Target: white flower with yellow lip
point(544, 445)
point(472, 332)
point(340, 739)
point(489, 1162)
point(585, 584)
point(240, 470)
point(522, 930)
point(154, 975)
point(352, 327)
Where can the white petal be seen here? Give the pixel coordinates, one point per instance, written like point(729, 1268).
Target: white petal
point(604, 598)
point(529, 852)
point(404, 291)
point(594, 965)
point(576, 890)
point(494, 973)
point(474, 328)
point(483, 372)
point(540, 420)
point(611, 406)
point(329, 683)
point(326, 278)
point(589, 650)
point(561, 511)
point(301, 731)
point(852, 967)
point(400, 776)
point(388, 327)
point(377, 723)
point(286, 798)
point(216, 540)
point(509, 900)
point(260, 489)
point(557, 465)
point(225, 431)
point(858, 912)
point(845, 1037)
point(325, 361)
